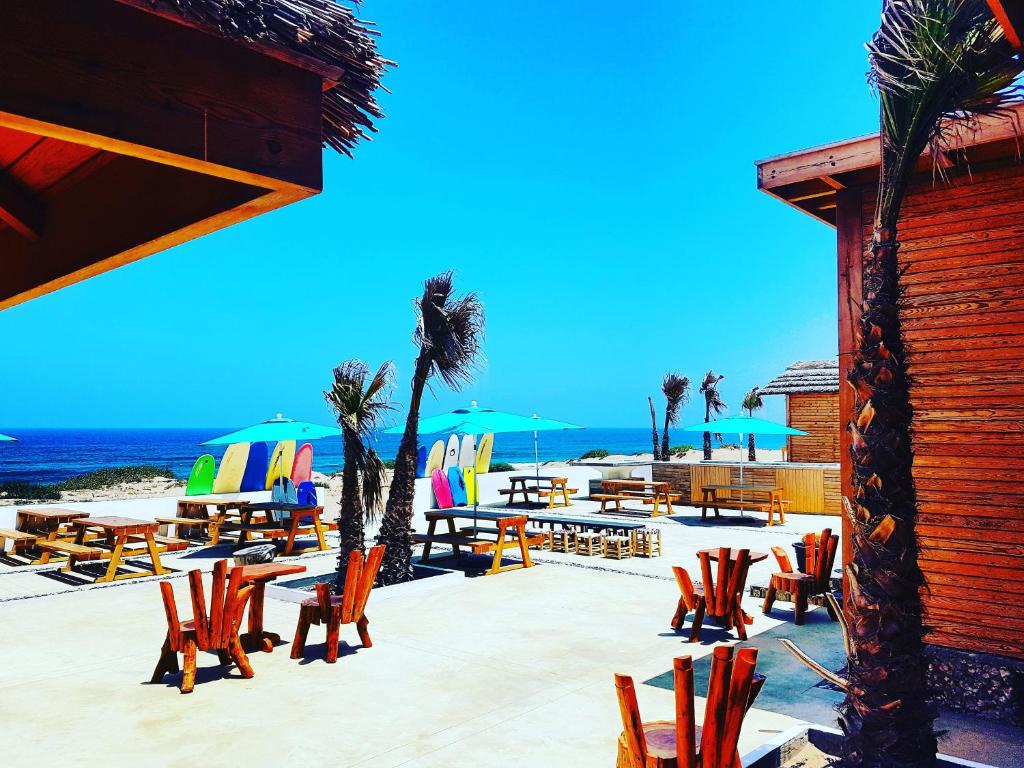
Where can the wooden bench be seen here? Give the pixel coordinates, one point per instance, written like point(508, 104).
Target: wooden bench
point(604, 498)
point(534, 538)
point(475, 545)
point(78, 551)
point(19, 539)
point(164, 543)
point(185, 522)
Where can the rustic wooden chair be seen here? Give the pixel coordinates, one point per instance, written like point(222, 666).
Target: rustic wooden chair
point(732, 688)
point(341, 609)
point(720, 600)
point(820, 555)
point(215, 631)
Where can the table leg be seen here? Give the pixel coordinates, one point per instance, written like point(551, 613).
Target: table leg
point(704, 504)
point(431, 526)
point(318, 526)
point(654, 512)
point(565, 494)
point(523, 547)
point(668, 500)
point(293, 529)
point(115, 560)
point(154, 555)
point(714, 500)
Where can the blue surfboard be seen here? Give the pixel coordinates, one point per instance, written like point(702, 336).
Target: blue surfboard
point(421, 461)
point(255, 475)
point(458, 486)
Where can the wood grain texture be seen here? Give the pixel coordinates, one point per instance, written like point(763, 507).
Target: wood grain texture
point(818, 415)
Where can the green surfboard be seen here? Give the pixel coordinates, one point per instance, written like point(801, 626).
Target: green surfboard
point(200, 481)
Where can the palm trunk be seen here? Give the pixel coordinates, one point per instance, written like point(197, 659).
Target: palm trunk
point(885, 716)
point(751, 448)
point(351, 529)
point(654, 428)
point(396, 524)
point(707, 435)
point(665, 455)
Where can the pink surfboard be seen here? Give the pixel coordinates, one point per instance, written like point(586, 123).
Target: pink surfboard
point(442, 491)
point(302, 467)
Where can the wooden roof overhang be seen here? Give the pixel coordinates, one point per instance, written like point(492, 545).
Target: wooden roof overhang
point(809, 179)
point(124, 131)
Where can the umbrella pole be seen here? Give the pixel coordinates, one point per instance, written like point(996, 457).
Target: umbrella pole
point(536, 459)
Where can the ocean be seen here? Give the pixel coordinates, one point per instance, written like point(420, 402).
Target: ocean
point(54, 455)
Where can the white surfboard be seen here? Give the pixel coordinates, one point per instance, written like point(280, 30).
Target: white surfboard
point(467, 454)
point(451, 453)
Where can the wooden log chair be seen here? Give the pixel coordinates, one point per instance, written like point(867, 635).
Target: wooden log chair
point(216, 631)
point(732, 688)
point(820, 555)
point(710, 598)
point(335, 610)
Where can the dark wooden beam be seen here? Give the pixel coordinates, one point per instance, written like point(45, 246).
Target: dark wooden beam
point(20, 209)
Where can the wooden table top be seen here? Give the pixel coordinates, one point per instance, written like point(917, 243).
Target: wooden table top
point(549, 478)
point(755, 557)
point(116, 524)
point(214, 500)
point(52, 513)
point(634, 483)
point(467, 512)
point(282, 506)
point(268, 571)
point(740, 488)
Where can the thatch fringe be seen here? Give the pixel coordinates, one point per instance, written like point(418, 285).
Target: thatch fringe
point(805, 376)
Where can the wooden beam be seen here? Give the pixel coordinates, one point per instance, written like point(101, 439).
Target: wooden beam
point(20, 209)
point(833, 183)
point(1000, 9)
point(812, 196)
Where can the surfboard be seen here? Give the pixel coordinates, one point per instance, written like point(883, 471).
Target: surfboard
point(442, 491)
point(302, 467)
point(421, 461)
point(457, 486)
point(451, 453)
point(483, 454)
point(280, 464)
point(467, 453)
point(200, 479)
point(255, 468)
point(469, 479)
point(435, 459)
point(231, 469)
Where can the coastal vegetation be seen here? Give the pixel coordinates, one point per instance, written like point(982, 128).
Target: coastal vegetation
point(90, 481)
point(936, 65)
point(596, 453)
point(360, 403)
point(752, 402)
point(449, 332)
point(680, 451)
point(676, 389)
point(501, 466)
point(713, 404)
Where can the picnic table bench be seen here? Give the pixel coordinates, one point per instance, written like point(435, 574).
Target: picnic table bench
point(511, 533)
point(38, 524)
point(556, 486)
point(646, 491)
point(772, 493)
point(117, 534)
point(288, 528)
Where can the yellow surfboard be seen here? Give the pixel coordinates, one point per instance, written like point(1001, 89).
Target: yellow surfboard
point(232, 467)
point(469, 480)
point(281, 461)
point(435, 458)
point(483, 454)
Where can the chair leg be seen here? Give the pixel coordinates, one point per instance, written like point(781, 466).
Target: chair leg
point(698, 620)
point(301, 631)
point(769, 598)
point(333, 628)
point(741, 625)
point(188, 678)
point(168, 662)
point(364, 634)
point(680, 615)
point(238, 654)
point(801, 604)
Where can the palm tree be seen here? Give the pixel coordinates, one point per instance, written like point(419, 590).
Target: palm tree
point(360, 408)
point(448, 333)
point(713, 403)
point(935, 64)
point(654, 429)
point(676, 389)
point(752, 402)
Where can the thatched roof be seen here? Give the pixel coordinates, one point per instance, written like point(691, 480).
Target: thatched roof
point(326, 36)
point(805, 376)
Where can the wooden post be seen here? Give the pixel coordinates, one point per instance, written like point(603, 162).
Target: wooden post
point(686, 740)
point(632, 726)
point(716, 708)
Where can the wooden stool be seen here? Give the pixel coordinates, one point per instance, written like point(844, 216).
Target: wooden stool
point(344, 609)
point(647, 542)
point(563, 540)
point(618, 547)
point(588, 543)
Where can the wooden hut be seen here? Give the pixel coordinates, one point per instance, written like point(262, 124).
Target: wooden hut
point(811, 388)
point(128, 126)
point(963, 317)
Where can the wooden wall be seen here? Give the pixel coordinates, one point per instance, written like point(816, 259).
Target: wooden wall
point(963, 317)
point(817, 414)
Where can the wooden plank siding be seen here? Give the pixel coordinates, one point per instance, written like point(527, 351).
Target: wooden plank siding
point(818, 415)
point(962, 247)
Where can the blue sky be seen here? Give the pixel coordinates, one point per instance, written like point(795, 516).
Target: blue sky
point(587, 168)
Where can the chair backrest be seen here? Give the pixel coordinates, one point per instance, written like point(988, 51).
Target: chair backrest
point(821, 556)
point(632, 725)
point(360, 576)
point(213, 628)
point(685, 586)
point(306, 493)
point(200, 479)
point(782, 557)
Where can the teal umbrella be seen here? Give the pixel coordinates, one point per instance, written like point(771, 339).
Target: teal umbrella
point(5, 439)
point(274, 430)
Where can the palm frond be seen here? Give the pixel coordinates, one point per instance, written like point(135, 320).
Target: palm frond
point(676, 389)
point(709, 388)
point(449, 329)
point(752, 400)
point(937, 66)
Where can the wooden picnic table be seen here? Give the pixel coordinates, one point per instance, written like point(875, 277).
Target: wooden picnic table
point(511, 532)
point(35, 524)
point(711, 499)
point(258, 574)
point(289, 527)
point(543, 485)
point(648, 491)
point(118, 533)
point(194, 512)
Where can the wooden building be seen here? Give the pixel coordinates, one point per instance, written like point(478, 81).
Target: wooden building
point(128, 126)
point(963, 318)
point(811, 388)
